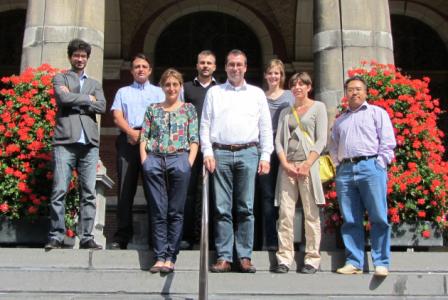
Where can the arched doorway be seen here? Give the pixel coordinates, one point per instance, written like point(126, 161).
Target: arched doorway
point(12, 27)
point(181, 41)
point(420, 51)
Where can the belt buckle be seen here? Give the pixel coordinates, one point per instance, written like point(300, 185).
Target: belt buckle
point(233, 147)
point(352, 160)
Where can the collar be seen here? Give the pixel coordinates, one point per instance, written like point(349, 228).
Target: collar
point(196, 82)
point(363, 106)
point(140, 86)
point(229, 86)
point(82, 76)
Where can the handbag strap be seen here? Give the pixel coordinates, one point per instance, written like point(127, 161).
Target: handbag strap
point(301, 126)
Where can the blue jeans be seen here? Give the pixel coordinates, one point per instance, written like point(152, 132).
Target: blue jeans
point(166, 178)
point(66, 158)
point(362, 186)
point(234, 183)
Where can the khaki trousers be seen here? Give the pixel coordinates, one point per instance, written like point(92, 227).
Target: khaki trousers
point(290, 188)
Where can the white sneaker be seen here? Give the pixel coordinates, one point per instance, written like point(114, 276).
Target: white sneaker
point(381, 271)
point(349, 269)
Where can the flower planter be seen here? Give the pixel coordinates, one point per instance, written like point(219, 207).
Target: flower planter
point(405, 234)
point(408, 235)
point(27, 233)
point(24, 232)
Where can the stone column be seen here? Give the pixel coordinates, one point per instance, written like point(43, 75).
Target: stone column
point(50, 25)
point(345, 33)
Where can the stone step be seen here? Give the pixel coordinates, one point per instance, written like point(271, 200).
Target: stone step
point(189, 260)
point(85, 274)
point(186, 283)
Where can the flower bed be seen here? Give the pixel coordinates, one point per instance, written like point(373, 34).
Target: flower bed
point(27, 119)
point(418, 176)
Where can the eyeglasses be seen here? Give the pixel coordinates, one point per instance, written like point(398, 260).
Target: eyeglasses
point(357, 89)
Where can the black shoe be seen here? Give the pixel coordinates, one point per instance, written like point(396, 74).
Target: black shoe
point(118, 246)
point(281, 269)
point(53, 244)
point(308, 269)
point(90, 244)
point(185, 245)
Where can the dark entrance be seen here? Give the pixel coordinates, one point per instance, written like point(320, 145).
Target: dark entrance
point(12, 27)
point(181, 41)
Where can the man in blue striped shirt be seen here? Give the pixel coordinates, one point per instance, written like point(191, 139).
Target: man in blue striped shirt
point(128, 110)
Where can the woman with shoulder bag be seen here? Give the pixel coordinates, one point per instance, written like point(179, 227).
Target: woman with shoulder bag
point(301, 137)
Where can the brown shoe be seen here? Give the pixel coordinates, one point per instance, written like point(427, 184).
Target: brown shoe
point(246, 266)
point(221, 266)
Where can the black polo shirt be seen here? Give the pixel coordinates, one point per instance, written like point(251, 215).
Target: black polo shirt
point(194, 93)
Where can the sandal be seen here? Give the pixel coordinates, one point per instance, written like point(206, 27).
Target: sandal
point(157, 267)
point(167, 268)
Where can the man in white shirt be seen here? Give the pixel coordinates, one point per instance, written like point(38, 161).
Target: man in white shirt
point(235, 126)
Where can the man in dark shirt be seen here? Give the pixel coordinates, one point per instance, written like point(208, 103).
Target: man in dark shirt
point(194, 92)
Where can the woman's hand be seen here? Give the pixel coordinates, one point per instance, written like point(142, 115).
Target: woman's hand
point(304, 169)
point(190, 160)
point(290, 169)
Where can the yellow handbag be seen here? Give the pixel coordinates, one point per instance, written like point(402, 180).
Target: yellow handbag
point(327, 171)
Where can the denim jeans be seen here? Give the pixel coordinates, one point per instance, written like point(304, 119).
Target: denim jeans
point(66, 158)
point(167, 178)
point(362, 186)
point(269, 215)
point(234, 183)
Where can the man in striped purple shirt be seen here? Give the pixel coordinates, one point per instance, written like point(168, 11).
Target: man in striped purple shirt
point(362, 144)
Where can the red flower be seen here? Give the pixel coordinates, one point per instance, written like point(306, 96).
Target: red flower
point(395, 219)
point(426, 234)
point(421, 201)
point(32, 210)
point(70, 233)
point(12, 148)
point(421, 214)
point(4, 207)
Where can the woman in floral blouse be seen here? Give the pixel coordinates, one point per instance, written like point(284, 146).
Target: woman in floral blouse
point(168, 146)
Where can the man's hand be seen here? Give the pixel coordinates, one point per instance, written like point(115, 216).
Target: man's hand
point(209, 163)
point(134, 137)
point(263, 167)
point(92, 98)
point(64, 89)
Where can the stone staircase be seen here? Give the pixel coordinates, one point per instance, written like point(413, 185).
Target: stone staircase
point(84, 274)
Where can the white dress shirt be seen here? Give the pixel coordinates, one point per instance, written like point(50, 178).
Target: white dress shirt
point(236, 115)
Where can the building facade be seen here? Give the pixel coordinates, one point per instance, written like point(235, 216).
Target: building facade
point(323, 37)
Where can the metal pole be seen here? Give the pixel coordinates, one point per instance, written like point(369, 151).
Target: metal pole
point(203, 260)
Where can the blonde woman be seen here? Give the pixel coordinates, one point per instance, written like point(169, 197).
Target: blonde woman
point(301, 137)
point(168, 148)
point(278, 99)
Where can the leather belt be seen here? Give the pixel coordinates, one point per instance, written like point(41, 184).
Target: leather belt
point(235, 147)
point(357, 159)
point(135, 128)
